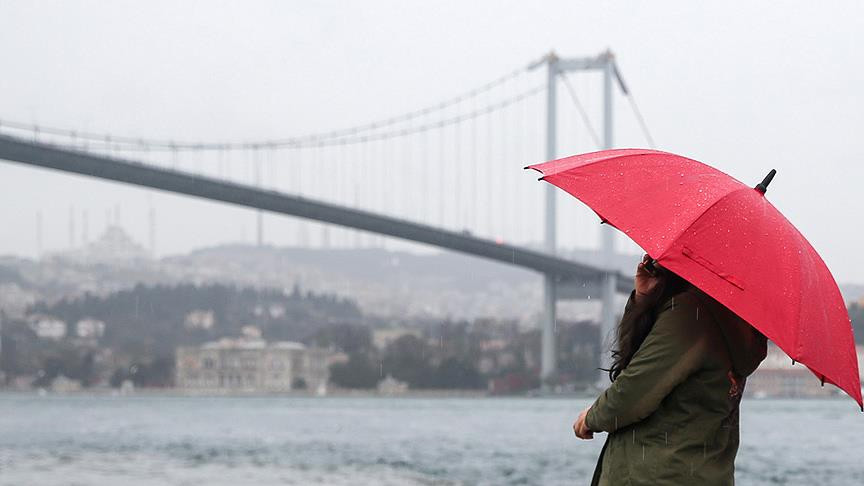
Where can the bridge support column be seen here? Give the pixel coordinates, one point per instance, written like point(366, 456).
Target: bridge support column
point(548, 363)
point(607, 316)
point(607, 326)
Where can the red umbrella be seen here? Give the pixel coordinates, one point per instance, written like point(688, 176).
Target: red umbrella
point(727, 239)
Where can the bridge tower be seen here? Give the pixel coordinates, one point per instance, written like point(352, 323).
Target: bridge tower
point(555, 66)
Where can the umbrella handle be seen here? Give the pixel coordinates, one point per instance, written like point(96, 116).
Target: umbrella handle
point(650, 268)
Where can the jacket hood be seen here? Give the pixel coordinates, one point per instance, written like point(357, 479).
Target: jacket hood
point(747, 346)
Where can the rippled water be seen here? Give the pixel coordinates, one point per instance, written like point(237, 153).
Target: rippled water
point(73, 440)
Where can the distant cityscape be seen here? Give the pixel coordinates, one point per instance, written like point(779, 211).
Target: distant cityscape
point(106, 316)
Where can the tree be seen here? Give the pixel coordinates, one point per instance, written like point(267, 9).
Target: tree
point(298, 384)
point(456, 373)
point(348, 338)
point(407, 359)
point(358, 372)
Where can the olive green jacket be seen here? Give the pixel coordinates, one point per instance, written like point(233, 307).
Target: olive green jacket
point(672, 413)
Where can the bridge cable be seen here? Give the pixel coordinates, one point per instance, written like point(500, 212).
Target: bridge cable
point(174, 147)
point(276, 143)
point(581, 109)
point(636, 111)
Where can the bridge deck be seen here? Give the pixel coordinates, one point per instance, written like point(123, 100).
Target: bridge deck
point(130, 172)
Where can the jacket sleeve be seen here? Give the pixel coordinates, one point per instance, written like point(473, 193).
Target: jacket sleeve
point(673, 349)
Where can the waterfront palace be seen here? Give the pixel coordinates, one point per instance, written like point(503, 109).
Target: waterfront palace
point(252, 365)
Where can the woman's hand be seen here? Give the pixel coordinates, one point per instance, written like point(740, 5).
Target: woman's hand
point(580, 429)
point(647, 284)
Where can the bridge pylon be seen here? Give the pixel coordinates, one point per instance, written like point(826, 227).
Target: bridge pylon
point(556, 66)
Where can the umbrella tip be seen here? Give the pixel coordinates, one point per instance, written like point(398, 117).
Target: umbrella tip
point(763, 186)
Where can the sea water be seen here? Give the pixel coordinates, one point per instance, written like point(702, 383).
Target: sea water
point(138, 440)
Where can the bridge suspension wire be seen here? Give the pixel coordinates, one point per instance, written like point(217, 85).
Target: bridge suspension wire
point(138, 145)
point(476, 169)
point(490, 148)
point(635, 107)
point(457, 190)
point(644, 126)
point(482, 141)
point(582, 112)
point(129, 143)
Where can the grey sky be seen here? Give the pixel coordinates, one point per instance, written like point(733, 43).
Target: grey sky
point(744, 86)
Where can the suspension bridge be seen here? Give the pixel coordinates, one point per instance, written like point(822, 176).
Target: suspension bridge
point(447, 175)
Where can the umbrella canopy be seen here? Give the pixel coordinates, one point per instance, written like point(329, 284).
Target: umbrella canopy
point(727, 239)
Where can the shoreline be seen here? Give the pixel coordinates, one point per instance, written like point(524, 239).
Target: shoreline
point(371, 394)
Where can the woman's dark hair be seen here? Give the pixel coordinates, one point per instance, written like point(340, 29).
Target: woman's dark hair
point(633, 329)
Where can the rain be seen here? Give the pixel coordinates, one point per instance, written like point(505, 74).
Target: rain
point(297, 243)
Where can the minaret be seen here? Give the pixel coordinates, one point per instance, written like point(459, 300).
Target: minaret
point(71, 227)
point(152, 242)
point(85, 237)
point(302, 234)
point(260, 226)
point(39, 234)
point(259, 219)
point(325, 236)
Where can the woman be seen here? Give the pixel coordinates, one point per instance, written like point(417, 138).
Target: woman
point(678, 372)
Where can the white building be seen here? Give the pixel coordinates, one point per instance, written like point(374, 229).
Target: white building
point(89, 328)
point(777, 376)
point(113, 246)
point(47, 327)
point(199, 319)
point(252, 365)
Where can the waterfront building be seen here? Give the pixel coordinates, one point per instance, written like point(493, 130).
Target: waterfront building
point(199, 319)
point(62, 384)
point(90, 328)
point(252, 365)
point(47, 327)
point(777, 376)
point(392, 386)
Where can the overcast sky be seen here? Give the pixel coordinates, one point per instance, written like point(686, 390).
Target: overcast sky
point(744, 86)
